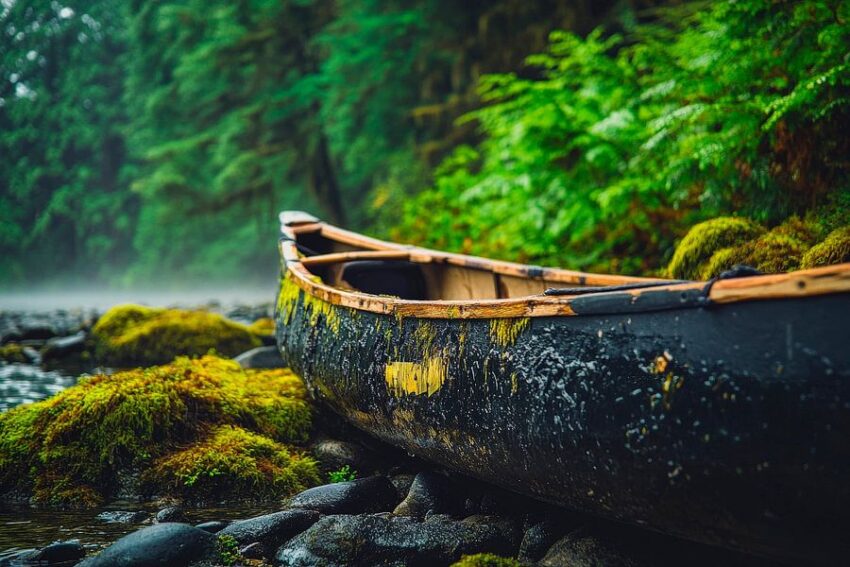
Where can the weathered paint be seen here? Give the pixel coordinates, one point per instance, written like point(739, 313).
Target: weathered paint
point(504, 332)
point(726, 424)
point(415, 378)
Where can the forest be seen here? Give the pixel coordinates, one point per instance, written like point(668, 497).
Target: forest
point(151, 141)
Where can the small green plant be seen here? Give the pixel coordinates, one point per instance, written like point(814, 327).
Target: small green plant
point(343, 474)
point(228, 550)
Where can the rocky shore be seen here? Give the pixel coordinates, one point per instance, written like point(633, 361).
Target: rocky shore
point(198, 431)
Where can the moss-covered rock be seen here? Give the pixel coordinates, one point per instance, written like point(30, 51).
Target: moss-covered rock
point(835, 249)
point(263, 327)
point(705, 239)
point(12, 352)
point(774, 252)
point(132, 335)
point(191, 428)
point(485, 560)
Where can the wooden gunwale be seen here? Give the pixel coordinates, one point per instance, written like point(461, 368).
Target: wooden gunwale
point(816, 281)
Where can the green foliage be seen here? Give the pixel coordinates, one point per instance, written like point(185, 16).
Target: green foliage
point(191, 427)
point(626, 140)
point(129, 335)
point(706, 238)
point(343, 474)
point(485, 560)
point(833, 250)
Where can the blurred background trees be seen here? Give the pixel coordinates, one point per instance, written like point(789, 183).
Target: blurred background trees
point(148, 141)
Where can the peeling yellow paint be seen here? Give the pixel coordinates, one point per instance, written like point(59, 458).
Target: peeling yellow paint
point(415, 378)
point(504, 332)
point(287, 302)
point(514, 383)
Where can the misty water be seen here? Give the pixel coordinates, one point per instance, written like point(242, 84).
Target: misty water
point(22, 526)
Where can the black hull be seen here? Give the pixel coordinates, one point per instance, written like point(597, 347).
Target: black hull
point(726, 424)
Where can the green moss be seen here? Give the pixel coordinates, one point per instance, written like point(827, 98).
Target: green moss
point(262, 327)
point(130, 335)
point(771, 253)
point(835, 249)
point(236, 462)
point(485, 560)
point(705, 239)
point(12, 352)
point(76, 443)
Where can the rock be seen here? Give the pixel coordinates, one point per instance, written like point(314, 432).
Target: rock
point(334, 454)
point(170, 514)
point(32, 355)
point(429, 492)
point(36, 329)
point(59, 553)
point(272, 529)
point(370, 494)
point(254, 551)
point(16, 558)
point(583, 548)
point(537, 539)
point(393, 540)
point(212, 527)
point(402, 483)
point(261, 357)
point(62, 347)
point(169, 544)
point(122, 517)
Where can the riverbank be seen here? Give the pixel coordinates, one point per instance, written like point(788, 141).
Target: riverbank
point(372, 504)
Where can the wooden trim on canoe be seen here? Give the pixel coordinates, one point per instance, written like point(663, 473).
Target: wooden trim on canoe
point(817, 281)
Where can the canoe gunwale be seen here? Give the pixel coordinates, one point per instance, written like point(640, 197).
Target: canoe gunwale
point(804, 283)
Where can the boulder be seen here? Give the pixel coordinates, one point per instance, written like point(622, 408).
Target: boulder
point(59, 348)
point(59, 554)
point(429, 492)
point(122, 517)
point(170, 514)
point(171, 544)
point(212, 527)
point(261, 357)
point(537, 540)
point(370, 494)
point(586, 548)
point(386, 540)
point(271, 529)
point(334, 454)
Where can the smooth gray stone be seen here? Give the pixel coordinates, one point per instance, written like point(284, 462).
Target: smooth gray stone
point(172, 544)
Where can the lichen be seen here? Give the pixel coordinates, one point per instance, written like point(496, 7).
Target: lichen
point(835, 249)
point(705, 239)
point(287, 303)
point(485, 560)
point(12, 352)
point(70, 449)
point(132, 335)
point(504, 332)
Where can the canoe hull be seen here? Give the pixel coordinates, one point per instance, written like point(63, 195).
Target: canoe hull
point(723, 424)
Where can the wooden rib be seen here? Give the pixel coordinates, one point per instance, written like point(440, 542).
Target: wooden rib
point(818, 281)
point(352, 256)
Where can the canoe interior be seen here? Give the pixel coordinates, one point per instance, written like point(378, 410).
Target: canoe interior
point(338, 259)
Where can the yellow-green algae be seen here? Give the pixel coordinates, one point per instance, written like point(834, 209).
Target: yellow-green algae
point(287, 302)
point(12, 352)
point(504, 332)
point(263, 327)
point(133, 335)
point(163, 421)
point(835, 249)
point(485, 560)
point(706, 238)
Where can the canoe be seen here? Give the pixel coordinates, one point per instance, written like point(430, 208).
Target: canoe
point(717, 411)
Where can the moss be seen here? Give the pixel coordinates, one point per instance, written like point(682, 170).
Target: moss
point(287, 302)
point(12, 352)
point(234, 461)
point(485, 560)
point(131, 335)
point(263, 327)
point(705, 239)
point(82, 438)
point(835, 249)
point(771, 253)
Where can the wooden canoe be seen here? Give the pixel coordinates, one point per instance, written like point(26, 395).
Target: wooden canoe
point(717, 411)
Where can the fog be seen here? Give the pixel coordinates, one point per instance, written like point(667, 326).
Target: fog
point(100, 299)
